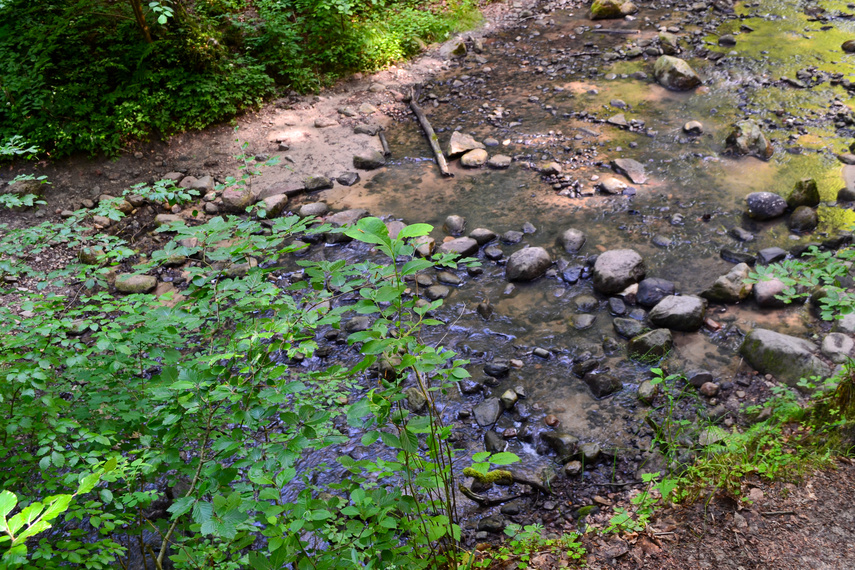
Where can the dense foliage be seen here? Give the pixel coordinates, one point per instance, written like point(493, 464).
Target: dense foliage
point(88, 75)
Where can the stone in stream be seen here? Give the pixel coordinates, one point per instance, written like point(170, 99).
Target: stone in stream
point(493, 252)
point(765, 205)
point(460, 144)
point(318, 182)
point(586, 303)
point(616, 269)
point(848, 46)
point(740, 234)
point(572, 240)
point(435, 292)
point(651, 345)
point(563, 444)
point(474, 158)
point(804, 193)
point(679, 313)
point(499, 162)
point(348, 178)
point(509, 399)
point(746, 139)
point(606, 10)
point(785, 357)
point(616, 306)
point(652, 290)
point(487, 412)
point(675, 74)
point(647, 391)
point(369, 160)
point(737, 256)
point(766, 292)
point(274, 205)
point(771, 255)
point(343, 218)
point(602, 384)
point(512, 237)
point(698, 378)
point(316, 209)
point(527, 264)
point(493, 442)
point(803, 219)
point(572, 274)
point(630, 168)
point(454, 225)
point(448, 278)
point(464, 246)
point(668, 43)
point(236, 200)
point(498, 368)
point(611, 186)
point(731, 287)
point(837, 347)
point(482, 235)
point(416, 400)
point(582, 322)
point(129, 283)
point(693, 128)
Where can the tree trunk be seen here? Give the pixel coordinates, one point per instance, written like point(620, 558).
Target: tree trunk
point(140, 18)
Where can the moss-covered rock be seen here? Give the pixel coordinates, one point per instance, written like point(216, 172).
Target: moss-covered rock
point(606, 10)
point(788, 358)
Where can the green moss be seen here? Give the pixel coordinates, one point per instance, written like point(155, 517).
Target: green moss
point(494, 476)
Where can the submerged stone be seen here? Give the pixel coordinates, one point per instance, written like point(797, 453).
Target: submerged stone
point(675, 74)
point(746, 139)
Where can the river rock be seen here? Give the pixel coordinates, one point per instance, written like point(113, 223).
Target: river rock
point(527, 264)
point(606, 10)
point(563, 444)
point(474, 158)
point(652, 290)
point(765, 293)
point(416, 400)
point(582, 322)
point(487, 412)
point(771, 255)
point(693, 128)
point(164, 219)
point(602, 384)
point(740, 234)
point(675, 74)
point(731, 287)
point(679, 313)
point(616, 269)
point(464, 246)
point(803, 219)
point(550, 168)
point(572, 240)
point(765, 205)
point(435, 292)
point(668, 43)
point(586, 303)
point(698, 378)
point(838, 347)
point(369, 160)
point(746, 138)
point(630, 168)
point(343, 218)
point(651, 345)
point(460, 144)
point(482, 235)
point(498, 368)
point(128, 283)
point(805, 193)
point(785, 357)
point(493, 442)
point(611, 186)
point(848, 46)
point(316, 209)
point(628, 328)
point(499, 161)
point(647, 391)
point(319, 182)
point(454, 225)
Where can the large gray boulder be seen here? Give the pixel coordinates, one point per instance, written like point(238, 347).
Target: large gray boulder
point(487, 412)
point(746, 138)
point(652, 290)
point(675, 74)
point(527, 264)
point(731, 287)
point(683, 313)
point(369, 160)
point(617, 269)
point(563, 444)
point(572, 240)
point(464, 246)
point(766, 293)
point(765, 205)
point(786, 357)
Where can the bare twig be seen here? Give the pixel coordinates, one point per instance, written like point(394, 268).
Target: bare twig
point(429, 133)
point(776, 513)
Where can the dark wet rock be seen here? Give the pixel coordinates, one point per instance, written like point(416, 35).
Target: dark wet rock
point(485, 310)
point(541, 352)
point(693, 128)
point(572, 274)
point(474, 158)
point(498, 368)
point(727, 40)
point(846, 194)
point(487, 412)
point(358, 324)
point(586, 303)
point(737, 256)
point(585, 366)
point(482, 235)
point(499, 162)
point(512, 237)
point(698, 378)
point(679, 313)
point(803, 219)
point(464, 246)
point(638, 314)
point(848, 46)
point(785, 357)
point(771, 255)
point(454, 225)
point(731, 287)
point(129, 283)
point(572, 240)
point(616, 269)
point(416, 400)
point(652, 290)
point(805, 193)
point(369, 160)
point(647, 391)
point(765, 205)
point(611, 346)
point(766, 292)
point(630, 168)
point(675, 74)
point(606, 10)
point(602, 384)
point(319, 182)
point(435, 292)
point(448, 278)
point(493, 442)
point(573, 468)
point(591, 452)
point(460, 144)
point(348, 178)
point(563, 444)
point(668, 44)
point(746, 139)
point(493, 252)
point(740, 234)
point(616, 306)
point(470, 386)
point(651, 345)
point(527, 264)
point(838, 347)
point(493, 523)
point(582, 322)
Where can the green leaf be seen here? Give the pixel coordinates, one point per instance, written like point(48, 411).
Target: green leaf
point(8, 500)
point(504, 458)
point(415, 230)
point(481, 456)
point(88, 483)
point(370, 438)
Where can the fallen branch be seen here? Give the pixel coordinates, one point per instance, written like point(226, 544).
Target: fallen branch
point(776, 513)
point(582, 53)
point(618, 32)
point(429, 133)
point(386, 150)
point(483, 500)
